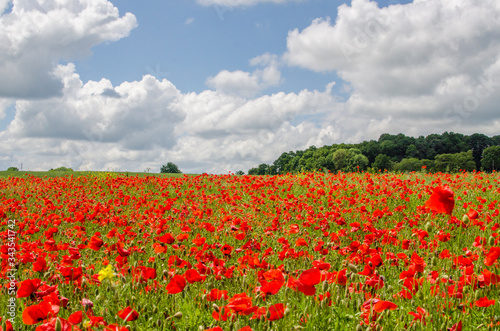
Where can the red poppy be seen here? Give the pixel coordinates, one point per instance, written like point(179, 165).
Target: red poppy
point(245, 328)
point(39, 312)
point(167, 238)
point(241, 304)
point(128, 314)
point(148, 273)
point(441, 200)
point(492, 256)
point(76, 317)
point(40, 265)
point(456, 327)
point(71, 273)
point(176, 284)
point(381, 305)
point(310, 277)
point(51, 325)
point(276, 311)
point(123, 252)
point(484, 302)
point(95, 242)
point(193, 276)
point(28, 287)
point(216, 294)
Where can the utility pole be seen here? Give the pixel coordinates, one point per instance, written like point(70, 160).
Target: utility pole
point(21, 166)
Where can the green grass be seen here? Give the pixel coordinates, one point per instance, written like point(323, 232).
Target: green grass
point(6, 174)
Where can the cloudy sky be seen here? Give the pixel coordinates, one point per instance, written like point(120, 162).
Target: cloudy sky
point(224, 85)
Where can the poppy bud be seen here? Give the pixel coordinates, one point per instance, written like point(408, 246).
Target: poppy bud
point(465, 219)
point(491, 241)
point(178, 314)
point(158, 322)
point(325, 286)
point(287, 311)
point(428, 226)
point(359, 327)
point(268, 314)
point(58, 326)
point(353, 268)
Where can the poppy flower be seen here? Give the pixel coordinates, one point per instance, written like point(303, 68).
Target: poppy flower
point(310, 277)
point(216, 294)
point(51, 325)
point(193, 276)
point(484, 302)
point(381, 305)
point(241, 304)
point(176, 284)
point(28, 287)
point(71, 273)
point(276, 312)
point(492, 256)
point(39, 312)
point(167, 238)
point(95, 243)
point(441, 200)
point(128, 314)
point(123, 252)
point(40, 264)
point(76, 317)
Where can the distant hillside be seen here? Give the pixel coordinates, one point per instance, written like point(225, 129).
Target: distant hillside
point(447, 152)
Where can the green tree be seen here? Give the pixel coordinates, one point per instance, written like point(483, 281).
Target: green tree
point(491, 158)
point(240, 173)
point(13, 169)
point(382, 162)
point(170, 168)
point(455, 162)
point(412, 151)
point(408, 165)
point(478, 142)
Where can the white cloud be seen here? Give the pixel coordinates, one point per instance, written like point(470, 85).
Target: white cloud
point(36, 35)
point(412, 62)
point(241, 3)
point(246, 84)
point(189, 20)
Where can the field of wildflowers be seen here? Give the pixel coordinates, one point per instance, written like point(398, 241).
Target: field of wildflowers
point(346, 251)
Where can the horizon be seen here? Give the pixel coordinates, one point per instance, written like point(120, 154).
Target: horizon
point(218, 86)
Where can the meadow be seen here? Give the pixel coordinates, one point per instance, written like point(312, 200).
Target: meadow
point(315, 251)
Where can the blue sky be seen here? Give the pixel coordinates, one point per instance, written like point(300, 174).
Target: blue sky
point(224, 85)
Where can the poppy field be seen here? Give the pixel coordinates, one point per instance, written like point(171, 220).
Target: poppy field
point(346, 251)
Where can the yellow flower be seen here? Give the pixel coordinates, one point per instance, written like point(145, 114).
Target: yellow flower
point(106, 273)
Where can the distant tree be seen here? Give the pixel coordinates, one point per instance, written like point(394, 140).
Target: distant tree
point(454, 162)
point(491, 158)
point(408, 165)
point(12, 169)
point(240, 172)
point(412, 151)
point(478, 142)
point(170, 168)
point(382, 162)
point(340, 159)
point(61, 169)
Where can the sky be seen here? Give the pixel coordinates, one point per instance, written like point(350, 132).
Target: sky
point(219, 86)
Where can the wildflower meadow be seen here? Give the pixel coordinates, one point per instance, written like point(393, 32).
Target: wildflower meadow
point(314, 251)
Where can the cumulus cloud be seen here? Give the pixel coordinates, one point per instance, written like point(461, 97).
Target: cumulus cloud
point(412, 62)
point(246, 84)
point(140, 124)
point(36, 35)
point(241, 3)
point(136, 115)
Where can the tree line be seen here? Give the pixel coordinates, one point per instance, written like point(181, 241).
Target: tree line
point(447, 152)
